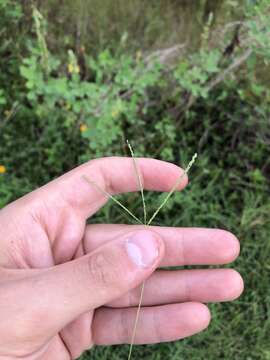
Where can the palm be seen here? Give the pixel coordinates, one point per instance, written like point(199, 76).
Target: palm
point(58, 233)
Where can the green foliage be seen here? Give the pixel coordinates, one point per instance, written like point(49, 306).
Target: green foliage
point(193, 75)
point(12, 11)
point(117, 87)
point(112, 95)
point(10, 14)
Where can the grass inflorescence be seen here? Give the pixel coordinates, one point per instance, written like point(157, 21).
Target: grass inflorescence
point(145, 221)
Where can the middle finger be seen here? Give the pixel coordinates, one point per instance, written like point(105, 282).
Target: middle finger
point(183, 246)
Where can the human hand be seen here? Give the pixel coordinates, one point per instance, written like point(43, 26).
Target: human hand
point(66, 286)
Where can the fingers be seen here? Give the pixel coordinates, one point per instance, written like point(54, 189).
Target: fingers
point(114, 175)
point(77, 335)
point(183, 246)
point(156, 324)
point(68, 290)
point(165, 287)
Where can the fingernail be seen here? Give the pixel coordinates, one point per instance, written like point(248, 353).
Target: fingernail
point(143, 248)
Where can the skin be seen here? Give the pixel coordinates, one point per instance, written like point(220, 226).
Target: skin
point(66, 286)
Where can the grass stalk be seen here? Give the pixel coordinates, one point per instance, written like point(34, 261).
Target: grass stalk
point(164, 202)
point(134, 331)
point(140, 185)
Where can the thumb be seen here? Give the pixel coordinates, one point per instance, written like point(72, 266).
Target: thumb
point(68, 290)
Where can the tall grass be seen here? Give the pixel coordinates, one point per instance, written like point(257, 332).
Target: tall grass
point(149, 24)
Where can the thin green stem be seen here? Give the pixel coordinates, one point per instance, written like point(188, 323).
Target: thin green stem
point(112, 198)
point(139, 180)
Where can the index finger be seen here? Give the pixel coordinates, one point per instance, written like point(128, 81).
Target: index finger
point(113, 175)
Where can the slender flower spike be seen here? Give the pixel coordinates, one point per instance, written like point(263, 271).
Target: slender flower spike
point(145, 222)
point(3, 169)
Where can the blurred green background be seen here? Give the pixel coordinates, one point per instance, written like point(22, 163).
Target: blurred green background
point(175, 77)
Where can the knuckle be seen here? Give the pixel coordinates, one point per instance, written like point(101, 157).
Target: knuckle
point(102, 270)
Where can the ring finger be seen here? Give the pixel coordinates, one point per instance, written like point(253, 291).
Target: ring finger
point(165, 287)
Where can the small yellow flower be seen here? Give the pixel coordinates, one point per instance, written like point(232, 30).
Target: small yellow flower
point(115, 113)
point(3, 169)
point(70, 68)
point(76, 69)
point(83, 128)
